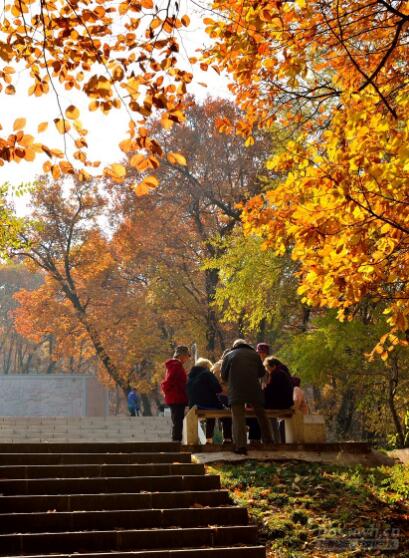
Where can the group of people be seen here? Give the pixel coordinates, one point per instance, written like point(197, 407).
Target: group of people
point(244, 377)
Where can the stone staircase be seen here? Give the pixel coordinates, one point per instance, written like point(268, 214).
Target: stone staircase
point(116, 500)
point(82, 429)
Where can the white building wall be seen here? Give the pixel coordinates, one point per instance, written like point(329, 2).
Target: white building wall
point(52, 395)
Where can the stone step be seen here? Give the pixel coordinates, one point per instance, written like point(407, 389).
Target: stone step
point(121, 519)
point(75, 421)
point(90, 447)
point(135, 422)
point(125, 427)
point(109, 484)
point(77, 432)
point(219, 552)
point(82, 439)
point(68, 440)
point(64, 441)
point(136, 539)
point(111, 501)
point(115, 500)
point(98, 470)
point(90, 458)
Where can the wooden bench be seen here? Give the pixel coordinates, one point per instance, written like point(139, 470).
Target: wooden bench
point(294, 422)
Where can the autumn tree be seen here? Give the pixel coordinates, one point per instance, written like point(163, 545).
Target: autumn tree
point(56, 243)
point(257, 289)
point(334, 75)
point(360, 398)
point(92, 304)
point(18, 355)
point(196, 200)
point(115, 55)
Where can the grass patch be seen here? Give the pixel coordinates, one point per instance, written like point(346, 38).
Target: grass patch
point(314, 510)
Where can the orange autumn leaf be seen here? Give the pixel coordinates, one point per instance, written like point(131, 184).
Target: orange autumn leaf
point(72, 112)
point(19, 123)
point(176, 159)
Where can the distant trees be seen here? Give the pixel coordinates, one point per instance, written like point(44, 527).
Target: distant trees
point(193, 205)
point(124, 276)
point(17, 354)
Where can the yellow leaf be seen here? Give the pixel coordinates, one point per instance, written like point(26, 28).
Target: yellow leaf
point(56, 172)
point(42, 126)
point(176, 159)
point(62, 125)
point(156, 22)
point(126, 145)
point(115, 171)
point(151, 181)
point(19, 123)
point(366, 269)
point(118, 170)
point(141, 189)
point(137, 161)
point(146, 185)
point(26, 140)
point(72, 112)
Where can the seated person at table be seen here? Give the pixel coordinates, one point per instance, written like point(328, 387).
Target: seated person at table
point(278, 394)
point(300, 402)
point(202, 390)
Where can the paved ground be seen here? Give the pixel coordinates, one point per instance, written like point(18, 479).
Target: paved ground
point(371, 459)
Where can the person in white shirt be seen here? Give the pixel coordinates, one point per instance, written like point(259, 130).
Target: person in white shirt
point(298, 396)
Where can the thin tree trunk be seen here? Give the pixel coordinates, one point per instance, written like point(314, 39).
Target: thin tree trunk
point(345, 414)
point(117, 400)
point(147, 408)
point(393, 381)
point(96, 340)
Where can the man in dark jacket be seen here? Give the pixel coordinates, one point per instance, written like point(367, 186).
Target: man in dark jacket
point(241, 370)
point(203, 389)
point(174, 389)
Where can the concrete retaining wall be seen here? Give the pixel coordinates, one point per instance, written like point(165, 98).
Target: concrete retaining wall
point(45, 395)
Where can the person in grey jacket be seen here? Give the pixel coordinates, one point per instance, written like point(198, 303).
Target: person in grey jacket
point(241, 371)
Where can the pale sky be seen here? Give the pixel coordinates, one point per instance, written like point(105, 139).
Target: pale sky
point(104, 132)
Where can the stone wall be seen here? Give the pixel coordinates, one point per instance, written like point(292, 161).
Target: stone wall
point(52, 395)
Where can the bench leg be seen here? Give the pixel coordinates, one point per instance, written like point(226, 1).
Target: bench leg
point(191, 427)
point(294, 429)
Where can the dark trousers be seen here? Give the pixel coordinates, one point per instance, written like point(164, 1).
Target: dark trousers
point(134, 412)
point(226, 428)
point(255, 432)
point(239, 424)
point(177, 414)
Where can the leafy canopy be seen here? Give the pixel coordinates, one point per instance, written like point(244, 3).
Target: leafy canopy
point(334, 74)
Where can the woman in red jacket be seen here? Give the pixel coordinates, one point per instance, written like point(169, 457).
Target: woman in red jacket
point(174, 389)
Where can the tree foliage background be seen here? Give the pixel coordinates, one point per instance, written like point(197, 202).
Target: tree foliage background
point(283, 215)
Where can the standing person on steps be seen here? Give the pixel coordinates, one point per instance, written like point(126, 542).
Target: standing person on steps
point(174, 389)
point(241, 370)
